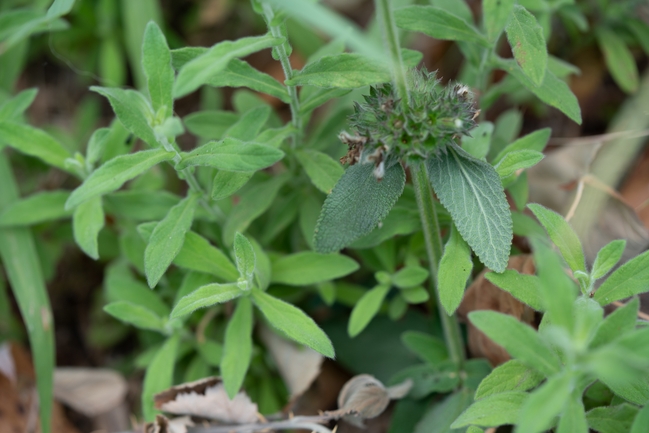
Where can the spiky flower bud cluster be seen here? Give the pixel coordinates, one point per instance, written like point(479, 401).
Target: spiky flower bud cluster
point(436, 116)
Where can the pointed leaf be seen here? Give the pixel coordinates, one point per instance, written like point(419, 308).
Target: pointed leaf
point(517, 160)
point(206, 296)
point(513, 375)
point(471, 191)
point(493, 411)
point(619, 322)
point(607, 257)
point(428, 348)
point(366, 308)
point(533, 141)
point(573, 418)
point(454, 271)
point(136, 315)
point(199, 255)
point(245, 256)
point(525, 36)
point(227, 183)
point(437, 23)
point(34, 142)
point(322, 169)
point(156, 62)
point(293, 323)
point(632, 278)
point(495, 14)
point(619, 60)
point(231, 154)
point(525, 288)
point(305, 268)
point(37, 208)
point(356, 205)
point(237, 347)
point(159, 375)
point(249, 125)
point(346, 70)
point(87, 222)
point(545, 403)
point(14, 107)
point(240, 74)
point(409, 277)
point(612, 419)
point(210, 124)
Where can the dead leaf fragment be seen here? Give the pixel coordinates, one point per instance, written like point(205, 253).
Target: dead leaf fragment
point(163, 425)
point(89, 391)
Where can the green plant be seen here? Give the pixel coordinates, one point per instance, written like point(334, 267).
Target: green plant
point(175, 223)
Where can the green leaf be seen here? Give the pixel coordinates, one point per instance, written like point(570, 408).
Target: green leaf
point(167, 239)
point(156, 62)
point(552, 90)
point(254, 203)
point(517, 160)
point(471, 191)
point(245, 256)
point(210, 124)
point(606, 258)
point(140, 205)
point(305, 268)
point(136, 315)
point(231, 154)
point(366, 308)
point(415, 295)
point(227, 183)
point(201, 69)
point(493, 410)
point(133, 111)
point(563, 236)
point(346, 70)
point(357, 205)
point(206, 296)
point(545, 403)
point(159, 375)
point(37, 208)
point(318, 97)
point(427, 379)
point(87, 222)
point(525, 36)
point(525, 288)
point(520, 340)
point(630, 279)
point(535, 141)
point(619, 322)
point(238, 73)
point(427, 347)
point(612, 419)
point(513, 375)
point(262, 266)
point(249, 125)
point(237, 347)
point(438, 23)
point(112, 175)
point(198, 254)
point(573, 417)
point(619, 59)
point(13, 108)
point(640, 30)
point(409, 277)
point(641, 420)
point(440, 415)
point(293, 323)
point(477, 143)
point(454, 271)
point(120, 285)
point(34, 142)
point(495, 14)
point(59, 8)
point(322, 169)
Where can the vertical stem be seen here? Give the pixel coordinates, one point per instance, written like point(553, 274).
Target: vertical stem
point(430, 226)
point(296, 117)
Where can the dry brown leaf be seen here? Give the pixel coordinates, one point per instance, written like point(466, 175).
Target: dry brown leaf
point(89, 391)
point(164, 425)
point(207, 398)
point(482, 295)
point(298, 365)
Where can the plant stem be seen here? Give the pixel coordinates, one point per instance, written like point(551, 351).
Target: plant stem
point(430, 226)
point(280, 50)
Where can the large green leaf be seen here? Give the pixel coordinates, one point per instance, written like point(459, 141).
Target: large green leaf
point(366, 308)
point(34, 142)
point(156, 62)
point(526, 39)
point(226, 183)
point(305, 268)
point(322, 169)
point(121, 285)
point(471, 191)
point(240, 74)
point(210, 124)
point(135, 314)
point(454, 271)
point(573, 416)
point(525, 288)
point(619, 322)
point(231, 154)
point(510, 376)
point(159, 375)
point(87, 221)
point(115, 173)
point(357, 205)
point(293, 323)
point(608, 257)
point(612, 419)
point(545, 403)
point(346, 70)
point(167, 239)
point(492, 411)
point(237, 347)
point(40, 207)
point(245, 256)
point(632, 278)
point(495, 14)
point(199, 255)
point(206, 296)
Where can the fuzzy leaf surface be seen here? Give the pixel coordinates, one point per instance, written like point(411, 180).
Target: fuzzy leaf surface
point(632, 278)
point(608, 257)
point(492, 411)
point(34, 142)
point(612, 419)
point(366, 308)
point(159, 375)
point(206, 296)
point(495, 14)
point(199, 255)
point(454, 271)
point(40, 207)
point(305, 268)
point(156, 62)
point(240, 74)
point(437, 23)
point(525, 288)
point(525, 36)
point(231, 154)
point(87, 222)
point(134, 314)
point(513, 375)
point(237, 347)
point(322, 169)
point(245, 256)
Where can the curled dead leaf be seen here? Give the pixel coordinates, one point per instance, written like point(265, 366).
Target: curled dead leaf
point(163, 425)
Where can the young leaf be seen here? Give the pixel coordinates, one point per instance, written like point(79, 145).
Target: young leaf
point(612, 419)
point(231, 154)
point(159, 375)
point(136, 315)
point(454, 271)
point(545, 403)
point(120, 285)
point(167, 239)
point(409, 277)
point(322, 169)
point(415, 295)
point(513, 375)
point(210, 124)
point(525, 36)
point(199, 70)
point(13, 108)
point(632, 278)
point(428, 348)
point(249, 125)
point(305, 268)
point(573, 417)
point(619, 322)
point(133, 111)
point(237, 347)
point(477, 143)
point(240, 74)
point(112, 175)
point(563, 236)
point(34, 142)
point(227, 183)
point(492, 411)
point(606, 258)
point(156, 62)
point(245, 256)
point(438, 23)
point(366, 308)
point(206, 296)
point(534, 141)
point(293, 323)
point(346, 70)
point(37, 208)
point(427, 379)
point(525, 288)
point(318, 97)
point(619, 59)
point(87, 222)
point(495, 14)
point(199, 255)
point(471, 191)
point(356, 205)
point(516, 160)
point(520, 340)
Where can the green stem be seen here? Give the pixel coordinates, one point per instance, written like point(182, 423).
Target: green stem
point(430, 226)
point(280, 50)
point(391, 40)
